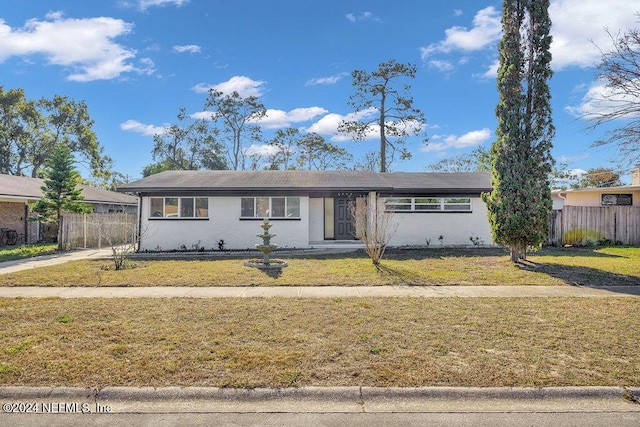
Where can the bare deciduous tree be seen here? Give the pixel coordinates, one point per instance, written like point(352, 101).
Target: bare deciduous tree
point(374, 225)
point(121, 236)
point(619, 68)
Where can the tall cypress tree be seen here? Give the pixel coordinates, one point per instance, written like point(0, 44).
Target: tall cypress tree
point(520, 203)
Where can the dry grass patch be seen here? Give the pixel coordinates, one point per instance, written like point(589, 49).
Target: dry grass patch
point(322, 342)
point(620, 266)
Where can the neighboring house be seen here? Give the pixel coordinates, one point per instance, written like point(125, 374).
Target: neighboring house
point(587, 216)
point(624, 195)
point(17, 192)
point(192, 209)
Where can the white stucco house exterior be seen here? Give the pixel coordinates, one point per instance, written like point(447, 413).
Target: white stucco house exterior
point(195, 209)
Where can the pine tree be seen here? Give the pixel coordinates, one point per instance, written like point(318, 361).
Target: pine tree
point(385, 106)
point(60, 190)
point(520, 203)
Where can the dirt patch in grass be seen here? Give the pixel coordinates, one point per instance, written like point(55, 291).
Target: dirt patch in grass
point(614, 266)
point(327, 342)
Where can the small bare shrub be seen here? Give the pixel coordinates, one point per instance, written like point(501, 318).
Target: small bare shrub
point(374, 225)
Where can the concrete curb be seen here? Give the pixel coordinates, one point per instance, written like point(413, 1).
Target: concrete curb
point(323, 399)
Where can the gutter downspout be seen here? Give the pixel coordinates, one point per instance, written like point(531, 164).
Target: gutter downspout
point(563, 197)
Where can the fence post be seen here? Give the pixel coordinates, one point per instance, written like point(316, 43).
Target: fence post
point(61, 233)
point(562, 227)
point(84, 229)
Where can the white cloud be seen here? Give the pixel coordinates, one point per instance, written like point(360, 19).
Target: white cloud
point(278, 119)
point(207, 115)
point(137, 127)
point(261, 150)
point(441, 65)
point(328, 125)
point(579, 26)
point(457, 12)
point(578, 173)
point(469, 139)
point(491, 72)
point(148, 68)
point(363, 16)
point(243, 85)
point(574, 42)
point(572, 159)
point(486, 31)
point(145, 4)
point(84, 45)
point(601, 99)
point(325, 80)
point(202, 87)
point(190, 48)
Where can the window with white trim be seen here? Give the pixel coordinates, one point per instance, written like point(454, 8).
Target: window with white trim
point(428, 204)
point(179, 207)
point(270, 207)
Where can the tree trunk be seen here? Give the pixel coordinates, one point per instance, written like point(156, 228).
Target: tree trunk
point(383, 137)
point(60, 231)
point(515, 255)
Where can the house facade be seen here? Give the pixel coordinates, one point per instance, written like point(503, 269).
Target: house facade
point(195, 209)
point(17, 192)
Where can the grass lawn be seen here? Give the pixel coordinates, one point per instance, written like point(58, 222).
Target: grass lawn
point(9, 253)
point(273, 342)
point(590, 267)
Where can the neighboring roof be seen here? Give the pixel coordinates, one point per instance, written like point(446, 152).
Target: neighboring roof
point(617, 189)
point(29, 188)
point(229, 181)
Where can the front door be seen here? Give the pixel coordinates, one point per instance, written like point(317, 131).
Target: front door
point(343, 220)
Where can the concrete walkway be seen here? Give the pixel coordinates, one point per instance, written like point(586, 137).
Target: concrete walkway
point(7, 267)
point(320, 292)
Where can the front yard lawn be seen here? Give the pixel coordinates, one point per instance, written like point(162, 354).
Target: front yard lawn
point(274, 342)
point(590, 267)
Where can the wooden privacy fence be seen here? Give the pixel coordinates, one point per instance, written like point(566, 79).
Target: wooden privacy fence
point(96, 230)
point(581, 224)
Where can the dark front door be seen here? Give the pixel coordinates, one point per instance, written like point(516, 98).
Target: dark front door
point(343, 219)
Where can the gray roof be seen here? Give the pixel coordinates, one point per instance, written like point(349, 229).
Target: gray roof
point(29, 188)
point(230, 181)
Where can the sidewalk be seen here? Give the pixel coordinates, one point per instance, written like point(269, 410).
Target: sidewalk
point(320, 292)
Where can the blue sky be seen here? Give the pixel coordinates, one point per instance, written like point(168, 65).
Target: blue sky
point(136, 62)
